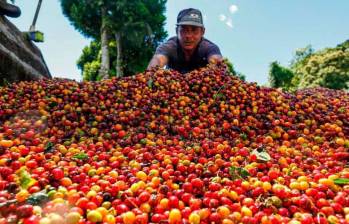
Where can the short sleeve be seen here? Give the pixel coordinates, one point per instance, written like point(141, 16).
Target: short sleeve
point(168, 48)
point(213, 50)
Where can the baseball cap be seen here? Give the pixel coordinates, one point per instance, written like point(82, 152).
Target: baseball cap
point(191, 17)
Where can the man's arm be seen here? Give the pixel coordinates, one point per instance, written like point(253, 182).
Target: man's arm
point(214, 55)
point(158, 60)
point(215, 58)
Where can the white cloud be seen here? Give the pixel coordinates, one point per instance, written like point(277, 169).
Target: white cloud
point(222, 17)
point(233, 9)
point(205, 17)
point(229, 23)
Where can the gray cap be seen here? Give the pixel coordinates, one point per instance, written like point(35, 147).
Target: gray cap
point(190, 17)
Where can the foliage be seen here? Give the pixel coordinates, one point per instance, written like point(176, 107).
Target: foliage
point(232, 70)
point(91, 69)
point(84, 15)
point(25, 180)
point(90, 61)
point(301, 55)
point(341, 181)
point(344, 45)
point(279, 76)
point(89, 54)
point(139, 23)
point(81, 156)
point(238, 173)
point(325, 68)
point(261, 154)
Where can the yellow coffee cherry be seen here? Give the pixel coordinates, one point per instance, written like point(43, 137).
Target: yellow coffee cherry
point(194, 218)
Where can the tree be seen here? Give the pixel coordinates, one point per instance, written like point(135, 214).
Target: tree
point(90, 61)
point(326, 68)
point(138, 24)
point(301, 55)
point(91, 71)
point(90, 18)
point(233, 71)
point(105, 60)
point(136, 27)
point(89, 54)
point(279, 76)
point(344, 45)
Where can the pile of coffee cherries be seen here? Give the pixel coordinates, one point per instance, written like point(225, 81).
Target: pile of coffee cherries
point(163, 147)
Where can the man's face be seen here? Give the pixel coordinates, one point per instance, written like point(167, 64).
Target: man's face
point(189, 36)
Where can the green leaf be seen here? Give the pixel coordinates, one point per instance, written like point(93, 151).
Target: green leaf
point(232, 172)
point(81, 156)
point(232, 169)
point(25, 180)
point(49, 147)
point(143, 141)
point(150, 83)
point(261, 155)
point(218, 96)
point(52, 104)
point(243, 173)
point(238, 173)
point(243, 136)
point(341, 181)
point(127, 136)
point(342, 109)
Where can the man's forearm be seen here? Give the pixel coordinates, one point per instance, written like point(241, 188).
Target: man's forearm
point(157, 60)
point(153, 63)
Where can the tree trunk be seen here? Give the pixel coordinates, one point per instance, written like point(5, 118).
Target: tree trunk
point(119, 69)
point(105, 61)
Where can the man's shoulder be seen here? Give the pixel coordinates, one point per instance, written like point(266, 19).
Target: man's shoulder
point(168, 48)
point(208, 48)
point(205, 43)
point(171, 42)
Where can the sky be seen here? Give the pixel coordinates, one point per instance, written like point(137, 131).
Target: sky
point(250, 33)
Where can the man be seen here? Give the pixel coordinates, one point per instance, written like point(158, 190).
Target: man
point(188, 50)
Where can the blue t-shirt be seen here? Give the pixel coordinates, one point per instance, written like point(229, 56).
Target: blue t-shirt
point(176, 60)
